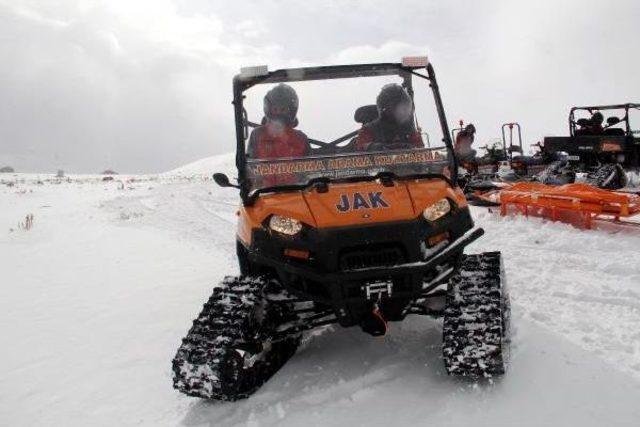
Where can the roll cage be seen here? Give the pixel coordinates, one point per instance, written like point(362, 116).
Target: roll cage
point(259, 75)
point(573, 123)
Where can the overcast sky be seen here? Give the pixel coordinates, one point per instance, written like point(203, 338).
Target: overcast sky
point(145, 85)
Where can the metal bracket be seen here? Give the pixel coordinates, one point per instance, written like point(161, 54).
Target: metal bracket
point(377, 289)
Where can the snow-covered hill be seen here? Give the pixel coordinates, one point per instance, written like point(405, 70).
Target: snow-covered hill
point(95, 298)
point(205, 167)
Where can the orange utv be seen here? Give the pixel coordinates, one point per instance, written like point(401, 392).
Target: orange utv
point(355, 238)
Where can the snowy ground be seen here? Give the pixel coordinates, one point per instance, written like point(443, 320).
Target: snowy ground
point(95, 298)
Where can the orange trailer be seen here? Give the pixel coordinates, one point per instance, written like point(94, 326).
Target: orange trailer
point(589, 202)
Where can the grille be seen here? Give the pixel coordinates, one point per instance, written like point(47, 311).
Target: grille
point(353, 259)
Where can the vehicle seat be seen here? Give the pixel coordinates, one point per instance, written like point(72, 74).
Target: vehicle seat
point(614, 131)
point(528, 160)
point(515, 149)
point(366, 114)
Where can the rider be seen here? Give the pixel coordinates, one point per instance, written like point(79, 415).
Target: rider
point(595, 123)
point(276, 137)
point(463, 143)
point(394, 127)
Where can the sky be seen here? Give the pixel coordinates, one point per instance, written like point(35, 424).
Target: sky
point(144, 86)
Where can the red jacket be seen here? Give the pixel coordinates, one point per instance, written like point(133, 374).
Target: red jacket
point(376, 132)
point(463, 143)
point(275, 141)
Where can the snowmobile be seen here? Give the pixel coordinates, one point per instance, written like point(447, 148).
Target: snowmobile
point(352, 238)
point(474, 170)
point(480, 175)
point(511, 166)
point(601, 151)
point(506, 161)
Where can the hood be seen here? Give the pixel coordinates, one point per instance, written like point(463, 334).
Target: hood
point(357, 203)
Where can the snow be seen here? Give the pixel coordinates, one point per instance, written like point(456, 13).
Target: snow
point(633, 178)
point(205, 167)
point(95, 298)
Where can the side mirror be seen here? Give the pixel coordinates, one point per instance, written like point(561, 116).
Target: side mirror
point(223, 180)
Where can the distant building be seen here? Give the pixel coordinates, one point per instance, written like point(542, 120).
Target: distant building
point(60, 174)
point(6, 169)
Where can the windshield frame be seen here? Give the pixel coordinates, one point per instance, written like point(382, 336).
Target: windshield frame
point(573, 124)
point(243, 82)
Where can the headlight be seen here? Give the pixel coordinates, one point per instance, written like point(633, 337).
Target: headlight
point(285, 225)
point(437, 210)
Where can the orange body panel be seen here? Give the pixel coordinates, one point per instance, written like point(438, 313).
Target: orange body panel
point(326, 214)
point(405, 200)
point(424, 193)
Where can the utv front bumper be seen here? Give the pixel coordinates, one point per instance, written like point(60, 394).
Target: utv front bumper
point(341, 259)
point(452, 249)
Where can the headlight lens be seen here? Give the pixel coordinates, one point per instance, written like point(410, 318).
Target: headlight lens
point(285, 225)
point(437, 210)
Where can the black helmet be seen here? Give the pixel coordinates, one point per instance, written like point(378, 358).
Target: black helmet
point(394, 103)
point(470, 129)
point(597, 118)
point(281, 104)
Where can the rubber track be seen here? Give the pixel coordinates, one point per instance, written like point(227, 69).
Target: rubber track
point(476, 318)
point(224, 329)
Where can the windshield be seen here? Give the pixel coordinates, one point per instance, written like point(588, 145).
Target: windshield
point(338, 129)
point(273, 173)
point(609, 121)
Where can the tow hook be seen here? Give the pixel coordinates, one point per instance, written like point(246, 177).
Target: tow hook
point(374, 323)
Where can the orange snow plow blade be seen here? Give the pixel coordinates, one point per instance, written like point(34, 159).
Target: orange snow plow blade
point(589, 202)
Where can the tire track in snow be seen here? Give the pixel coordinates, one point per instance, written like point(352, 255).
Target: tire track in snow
point(620, 302)
point(191, 211)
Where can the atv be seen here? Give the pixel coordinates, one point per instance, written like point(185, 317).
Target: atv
point(601, 151)
point(353, 238)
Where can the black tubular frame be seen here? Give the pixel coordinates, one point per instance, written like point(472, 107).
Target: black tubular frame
point(504, 138)
point(243, 82)
point(593, 108)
